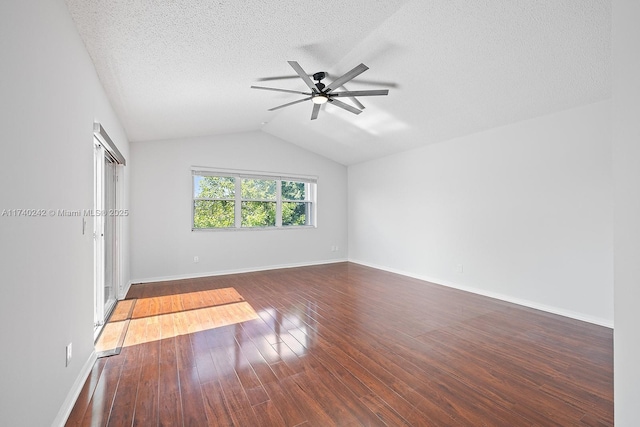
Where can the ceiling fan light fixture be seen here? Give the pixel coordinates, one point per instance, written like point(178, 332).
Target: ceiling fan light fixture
point(319, 99)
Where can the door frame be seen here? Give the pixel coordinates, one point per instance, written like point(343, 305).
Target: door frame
point(106, 151)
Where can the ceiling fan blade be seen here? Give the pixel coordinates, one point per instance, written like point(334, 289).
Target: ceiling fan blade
point(290, 103)
point(268, 79)
point(344, 106)
point(280, 90)
point(374, 83)
point(303, 75)
point(354, 100)
point(346, 77)
point(288, 77)
point(361, 93)
point(316, 110)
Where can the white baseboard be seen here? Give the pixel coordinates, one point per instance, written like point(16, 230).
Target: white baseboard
point(72, 396)
point(507, 298)
point(237, 271)
point(124, 292)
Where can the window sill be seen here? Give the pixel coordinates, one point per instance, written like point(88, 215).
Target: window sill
point(290, 227)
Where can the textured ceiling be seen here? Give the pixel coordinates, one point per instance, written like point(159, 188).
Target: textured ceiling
point(183, 68)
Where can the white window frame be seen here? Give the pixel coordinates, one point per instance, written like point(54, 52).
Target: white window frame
point(311, 184)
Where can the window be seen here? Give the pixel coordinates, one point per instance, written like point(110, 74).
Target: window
point(296, 207)
point(228, 200)
point(214, 201)
point(259, 202)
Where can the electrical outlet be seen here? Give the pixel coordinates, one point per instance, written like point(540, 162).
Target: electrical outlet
point(460, 268)
point(69, 354)
point(196, 259)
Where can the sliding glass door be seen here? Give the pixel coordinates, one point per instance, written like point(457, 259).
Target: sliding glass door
point(106, 229)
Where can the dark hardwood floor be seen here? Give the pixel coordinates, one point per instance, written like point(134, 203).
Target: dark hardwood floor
point(345, 345)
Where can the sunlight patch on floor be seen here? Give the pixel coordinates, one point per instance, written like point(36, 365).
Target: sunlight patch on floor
point(152, 328)
point(150, 319)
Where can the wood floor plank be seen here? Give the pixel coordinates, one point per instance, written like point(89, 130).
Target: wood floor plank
point(125, 398)
point(383, 411)
point(248, 378)
point(246, 418)
point(82, 402)
point(99, 408)
point(193, 407)
point(216, 410)
point(170, 405)
point(184, 352)
point(289, 407)
point(147, 398)
point(266, 414)
point(345, 345)
point(204, 364)
point(259, 364)
point(235, 397)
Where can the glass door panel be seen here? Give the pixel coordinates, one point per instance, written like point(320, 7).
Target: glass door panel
point(105, 236)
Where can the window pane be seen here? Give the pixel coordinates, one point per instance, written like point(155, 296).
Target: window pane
point(213, 187)
point(258, 189)
point(294, 213)
point(213, 214)
point(258, 214)
point(292, 190)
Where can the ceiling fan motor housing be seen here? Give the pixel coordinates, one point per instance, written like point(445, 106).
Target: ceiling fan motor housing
point(318, 77)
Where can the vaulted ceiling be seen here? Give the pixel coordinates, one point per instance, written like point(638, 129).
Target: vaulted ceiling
point(183, 68)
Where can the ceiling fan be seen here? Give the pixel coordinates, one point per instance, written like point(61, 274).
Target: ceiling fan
point(321, 94)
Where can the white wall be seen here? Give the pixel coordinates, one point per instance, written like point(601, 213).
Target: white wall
point(525, 209)
point(49, 98)
point(163, 245)
point(626, 171)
